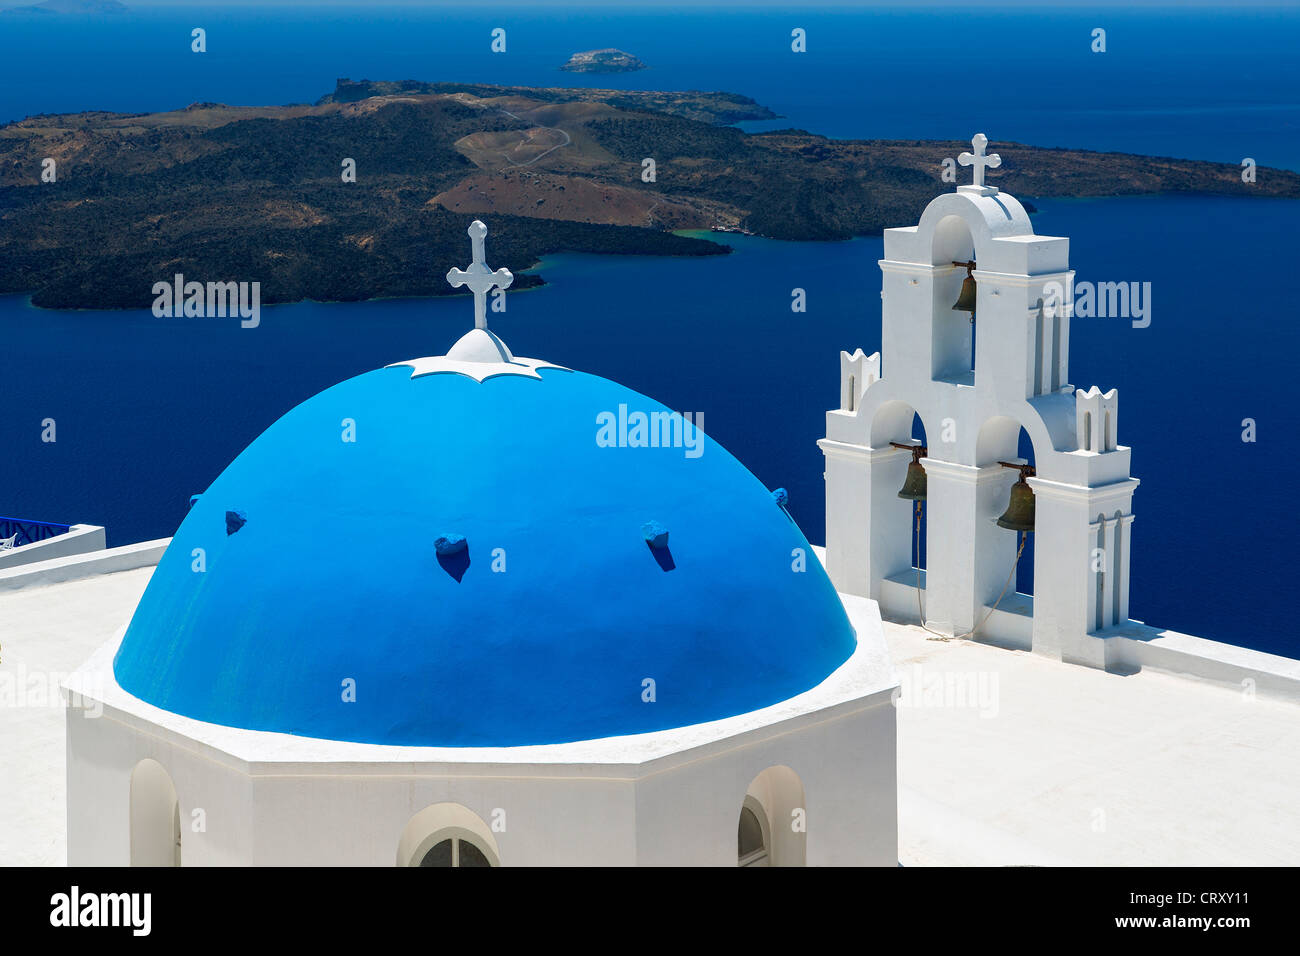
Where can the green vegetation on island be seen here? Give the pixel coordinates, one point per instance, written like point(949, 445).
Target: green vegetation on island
point(97, 207)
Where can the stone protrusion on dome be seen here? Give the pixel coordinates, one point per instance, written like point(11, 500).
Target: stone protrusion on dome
point(655, 534)
point(449, 544)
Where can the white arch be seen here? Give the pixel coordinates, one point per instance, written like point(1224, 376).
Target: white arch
point(155, 816)
point(998, 439)
point(1049, 426)
point(892, 420)
point(444, 821)
point(778, 792)
point(985, 218)
point(952, 241)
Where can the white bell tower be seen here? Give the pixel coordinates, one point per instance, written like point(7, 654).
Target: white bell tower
point(974, 383)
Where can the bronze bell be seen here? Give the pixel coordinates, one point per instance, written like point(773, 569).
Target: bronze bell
point(1019, 515)
point(966, 300)
point(914, 484)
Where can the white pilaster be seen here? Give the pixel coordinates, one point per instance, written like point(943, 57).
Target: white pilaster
point(968, 555)
point(1067, 529)
point(868, 527)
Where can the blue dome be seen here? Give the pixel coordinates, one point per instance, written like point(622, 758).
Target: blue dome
point(541, 630)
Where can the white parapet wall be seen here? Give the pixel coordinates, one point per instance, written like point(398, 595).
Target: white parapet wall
point(75, 566)
point(1127, 647)
point(79, 539)
point(1136, 645)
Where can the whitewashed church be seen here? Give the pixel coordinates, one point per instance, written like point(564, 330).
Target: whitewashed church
point(557, 650)
point(551, 651)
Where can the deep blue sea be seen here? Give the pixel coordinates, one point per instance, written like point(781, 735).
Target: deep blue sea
point(149, 410)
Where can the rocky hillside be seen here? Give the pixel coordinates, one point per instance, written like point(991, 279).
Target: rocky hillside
point(260, 193)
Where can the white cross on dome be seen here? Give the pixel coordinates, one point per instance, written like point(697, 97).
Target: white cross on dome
point(478, 277)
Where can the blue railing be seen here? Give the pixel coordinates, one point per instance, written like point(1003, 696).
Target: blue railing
point(29, 532)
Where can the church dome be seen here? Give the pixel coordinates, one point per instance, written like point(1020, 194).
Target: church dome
point(457, 552)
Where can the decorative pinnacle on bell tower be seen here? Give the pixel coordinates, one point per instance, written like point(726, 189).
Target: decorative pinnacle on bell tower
point(478, 277)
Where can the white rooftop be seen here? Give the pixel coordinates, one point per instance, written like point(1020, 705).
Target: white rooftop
point(1004, 757)
point(1077, 766)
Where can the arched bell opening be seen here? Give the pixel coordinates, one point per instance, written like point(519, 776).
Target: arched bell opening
point(898, 495)
point(955, 303)
point(914, 489)
point(951, 240)
point(1024, 582)
point(1007, 512)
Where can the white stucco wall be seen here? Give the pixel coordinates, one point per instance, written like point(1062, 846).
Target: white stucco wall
point(684, 813)
point(846, 765)
point(670, 798)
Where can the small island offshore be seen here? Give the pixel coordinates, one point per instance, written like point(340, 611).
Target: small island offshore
point(74, 7)
point(608, 60)
point(354, 196)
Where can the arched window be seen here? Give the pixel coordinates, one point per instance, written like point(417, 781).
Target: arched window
point(771, 830)
point(455, 851)
point(752, 835)
point(447, 834)
point(155, 817)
